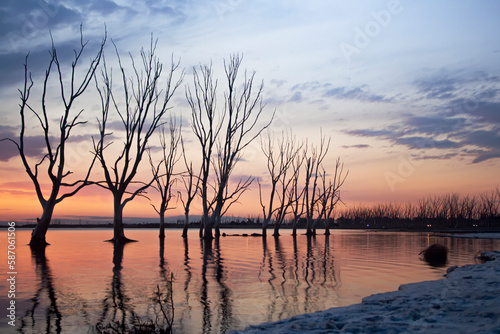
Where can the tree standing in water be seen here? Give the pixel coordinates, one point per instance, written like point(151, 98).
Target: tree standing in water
point(56, 142)
point(141, 113)
point(165, 178)
point(223, 133)
point(191, 184)
point(331, 191)
point(280, 155)
point(311, 193)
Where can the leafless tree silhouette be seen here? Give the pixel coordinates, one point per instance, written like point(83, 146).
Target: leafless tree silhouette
point(280, 155)
point(166, 177)
point(56, 142)
point(312, 196)
point(223, 134)
point(330, 196)
point(191, 184)
point(296, 193)
point(141, 110)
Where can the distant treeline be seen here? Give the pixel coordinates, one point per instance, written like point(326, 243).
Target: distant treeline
point(445, 211)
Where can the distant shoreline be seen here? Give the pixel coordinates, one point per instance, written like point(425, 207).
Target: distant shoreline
point(258, 226)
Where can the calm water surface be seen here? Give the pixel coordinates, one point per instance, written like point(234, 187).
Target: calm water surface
point(81, 281)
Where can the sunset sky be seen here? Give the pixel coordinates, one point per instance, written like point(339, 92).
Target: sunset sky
point(409, 91)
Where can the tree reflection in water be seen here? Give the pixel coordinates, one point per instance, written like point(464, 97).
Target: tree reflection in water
point(225, 296)
point(219, 285)
point(299, 282)
point(117, 308)
point(53, 316)
point(225, 287)
point(223, 302)
point(185, 312)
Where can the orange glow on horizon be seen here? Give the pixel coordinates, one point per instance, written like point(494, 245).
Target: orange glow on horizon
point(366, 184)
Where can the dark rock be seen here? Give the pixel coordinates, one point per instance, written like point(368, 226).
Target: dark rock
point(435, 255)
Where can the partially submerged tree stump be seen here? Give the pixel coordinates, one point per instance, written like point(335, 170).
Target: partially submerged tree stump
point(435, 255)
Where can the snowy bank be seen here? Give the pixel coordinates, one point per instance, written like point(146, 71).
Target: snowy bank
point(466, 301)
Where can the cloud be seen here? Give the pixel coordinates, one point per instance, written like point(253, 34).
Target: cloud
point(425, 143)
point(459, 87)
point(328, 90)
point(371, 133)
point(433, 125)
point(436, 156)
point(488, 112)
point(27, 23)
point(34, 146)
point(356, 146)
point(486, 156)
point(439, 88)
point(26, 26)
point(483, 138)
point(38, 60)
point(357, 93)
point(7, 150)
point(297, 97)
point(443, 133)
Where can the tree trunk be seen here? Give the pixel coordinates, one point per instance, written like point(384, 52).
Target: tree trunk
point(207, 232)
point(265, 222)
point(118, 232)
point(217, 226)
point(327, 226)
point(276, 229)
point(207, 229)
point(202, 225)
point(39, 232)
point(212, 221)
point(309, 227)
point(162, 225)
point(186, 225)
point(294, 229)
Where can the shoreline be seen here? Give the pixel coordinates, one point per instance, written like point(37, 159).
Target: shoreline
point(467, 300)
point(148, 226)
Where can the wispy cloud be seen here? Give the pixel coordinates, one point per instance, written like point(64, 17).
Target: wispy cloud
point(319, 91)
point(441, 88)
point(444, 133)
point(360, 146)
point(360, 93)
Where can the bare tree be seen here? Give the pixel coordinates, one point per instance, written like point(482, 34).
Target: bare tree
point(205, 126)
point(280, 155)
point(56, 142)
point(331, 194)
point(313, 162)
point(165, 179)
point(140, 111)
point(191, 185)
point(294, 195)
point(224, 133)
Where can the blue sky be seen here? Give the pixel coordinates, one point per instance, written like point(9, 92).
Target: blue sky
point(397, 84)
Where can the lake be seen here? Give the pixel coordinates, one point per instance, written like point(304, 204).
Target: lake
point(81, 282)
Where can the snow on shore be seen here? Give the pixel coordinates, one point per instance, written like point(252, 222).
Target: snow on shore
point(466, 301)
